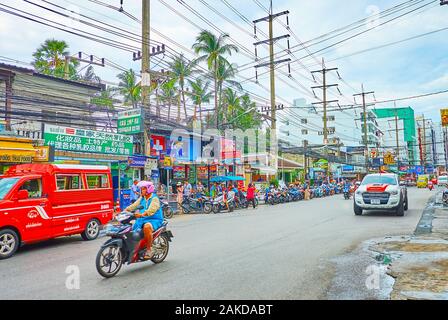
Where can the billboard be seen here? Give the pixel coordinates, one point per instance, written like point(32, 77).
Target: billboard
point(444, 116)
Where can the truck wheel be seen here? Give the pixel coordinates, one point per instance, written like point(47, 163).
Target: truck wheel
point(9, 243)
point(358, 210)
point(92, 230)
point(400, 209)
point(406, 204)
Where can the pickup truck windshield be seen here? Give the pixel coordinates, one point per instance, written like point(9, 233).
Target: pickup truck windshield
point(6, 185)
point(379, 180)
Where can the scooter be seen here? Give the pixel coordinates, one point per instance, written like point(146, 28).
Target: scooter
point(347, 193)
point(430, 186)
point(445, 197)
point(219, 204)
point(127, 246)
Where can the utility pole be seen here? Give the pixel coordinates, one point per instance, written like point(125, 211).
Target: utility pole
point(364, 107)
point(272, 63)
point(146, 75)
point(305, 158)
point(325, 103)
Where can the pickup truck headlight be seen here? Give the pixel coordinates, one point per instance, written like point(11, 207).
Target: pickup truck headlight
point(358, 192)
point(394, 193)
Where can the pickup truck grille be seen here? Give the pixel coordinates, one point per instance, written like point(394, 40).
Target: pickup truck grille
point(382, 196)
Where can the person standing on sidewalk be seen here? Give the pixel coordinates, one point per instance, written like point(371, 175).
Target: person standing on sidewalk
point(180, 197)
point(135, 192)
point(251, 194)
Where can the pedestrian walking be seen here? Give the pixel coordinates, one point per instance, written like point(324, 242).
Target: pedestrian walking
point(251, 194)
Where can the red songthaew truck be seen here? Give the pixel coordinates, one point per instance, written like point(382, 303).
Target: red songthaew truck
point(44, 201)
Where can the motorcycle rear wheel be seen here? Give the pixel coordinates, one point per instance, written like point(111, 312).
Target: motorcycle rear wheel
point(161, 245)
point(216, 208)
point(106, 258)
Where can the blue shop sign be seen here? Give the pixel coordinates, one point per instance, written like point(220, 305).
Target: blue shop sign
point(137, 161)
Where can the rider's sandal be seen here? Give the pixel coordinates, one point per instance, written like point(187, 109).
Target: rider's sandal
point(149, 255)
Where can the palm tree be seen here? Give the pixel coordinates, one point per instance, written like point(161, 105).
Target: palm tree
point(232, 103)
point(199, 94)
point(213, 49)
point(49, 59)
point(129, 87)
point(181, 69)
point(90, 75)
point(225, 73)
point(168, 94)
point(105, 99)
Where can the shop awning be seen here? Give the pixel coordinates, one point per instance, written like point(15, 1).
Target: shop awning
point(227, 179)
point(16, 152)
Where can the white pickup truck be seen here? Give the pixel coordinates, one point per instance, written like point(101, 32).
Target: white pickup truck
point(381, 192)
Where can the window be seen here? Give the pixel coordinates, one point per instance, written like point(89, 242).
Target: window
point(95, 181)
point(34, 188)
point(68, 182)
point(6, 184)
point(379, 180)
point(304, 131)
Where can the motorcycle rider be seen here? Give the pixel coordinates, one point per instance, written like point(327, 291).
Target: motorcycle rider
point(150, 216)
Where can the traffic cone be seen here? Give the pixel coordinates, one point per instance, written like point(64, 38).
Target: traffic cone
point(117, 206)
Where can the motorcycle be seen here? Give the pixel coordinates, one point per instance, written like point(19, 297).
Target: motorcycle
point(194, 204)
point(347, 193)
point(219, 204)
point(430, 186)
point(445, 197)
point(127, 246)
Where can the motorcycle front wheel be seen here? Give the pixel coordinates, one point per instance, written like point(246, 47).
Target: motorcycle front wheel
point(168, 212)
point(109, 261)
point(207, 208)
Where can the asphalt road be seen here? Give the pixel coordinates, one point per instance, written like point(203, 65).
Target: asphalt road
point(280, 252)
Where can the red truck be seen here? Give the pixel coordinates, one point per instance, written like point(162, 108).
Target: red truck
point(45, 201)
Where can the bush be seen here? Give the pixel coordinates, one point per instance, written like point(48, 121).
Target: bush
point(274, 182)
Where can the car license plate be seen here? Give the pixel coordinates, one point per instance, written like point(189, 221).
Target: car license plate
point(375, 201)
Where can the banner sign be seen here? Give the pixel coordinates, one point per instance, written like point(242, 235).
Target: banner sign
point(130, 122)
point(87, 141)
point(158, 145)
point(137, 161)
point(444, 115)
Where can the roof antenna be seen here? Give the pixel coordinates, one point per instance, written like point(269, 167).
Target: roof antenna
point(121, 6)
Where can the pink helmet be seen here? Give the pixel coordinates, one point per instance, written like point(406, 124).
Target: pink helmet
point(148, 185)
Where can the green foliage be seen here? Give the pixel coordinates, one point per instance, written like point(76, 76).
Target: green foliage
point(129, 87)
point(49, 59)
point(274, 182)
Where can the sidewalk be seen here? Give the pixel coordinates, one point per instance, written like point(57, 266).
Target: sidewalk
point(419, 264)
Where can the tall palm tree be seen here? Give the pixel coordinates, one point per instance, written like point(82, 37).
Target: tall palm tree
point(105, 99)
point(129, 87)
point(49, 59)
point(225, 74)
point(181, 69)
point(90, 75)
point(213, 49)
point(232, 103)
point(199, 94)
point(168, 94)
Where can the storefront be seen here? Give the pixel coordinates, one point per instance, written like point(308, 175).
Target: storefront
point(16, 150)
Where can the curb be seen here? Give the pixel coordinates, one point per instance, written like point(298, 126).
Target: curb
point(424, 226)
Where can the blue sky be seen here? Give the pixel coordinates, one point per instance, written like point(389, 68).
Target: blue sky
point(410, 68)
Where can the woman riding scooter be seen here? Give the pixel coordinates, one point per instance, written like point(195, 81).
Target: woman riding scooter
point(150, 216)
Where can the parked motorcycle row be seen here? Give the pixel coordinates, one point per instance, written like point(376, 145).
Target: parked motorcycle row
point(295, 193)
point(228, 201)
